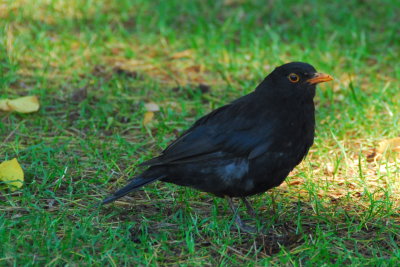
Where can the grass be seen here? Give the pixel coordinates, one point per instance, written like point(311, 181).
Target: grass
point(94, 64)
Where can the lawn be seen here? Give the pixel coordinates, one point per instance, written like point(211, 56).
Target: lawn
point(95, 65)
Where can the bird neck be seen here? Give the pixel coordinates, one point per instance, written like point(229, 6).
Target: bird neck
point(270, 92)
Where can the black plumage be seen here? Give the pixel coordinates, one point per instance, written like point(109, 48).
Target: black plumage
point(245, 147)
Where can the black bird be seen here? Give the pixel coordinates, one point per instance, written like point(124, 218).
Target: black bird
point(246, 147)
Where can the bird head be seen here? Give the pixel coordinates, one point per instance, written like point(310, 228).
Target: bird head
point(295, 78)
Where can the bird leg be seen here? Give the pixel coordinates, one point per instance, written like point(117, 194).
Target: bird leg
point(242, 225)
point(249, 208)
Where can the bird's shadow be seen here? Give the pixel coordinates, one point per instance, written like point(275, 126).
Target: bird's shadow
point(207, 217)
point(284, 223)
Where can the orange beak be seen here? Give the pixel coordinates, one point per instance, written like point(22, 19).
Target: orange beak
point(320, 78)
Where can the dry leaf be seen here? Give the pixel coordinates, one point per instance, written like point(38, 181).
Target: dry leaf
point(26, 104)
point(129, 65)
point(296, 182)
point(182, 54)
point(151, 106)
point(148, 117)
point(195, 68)
point(12, 174)
point(387, 146)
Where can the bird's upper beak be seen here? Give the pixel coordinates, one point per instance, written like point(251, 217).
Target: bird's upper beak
point(320, 78)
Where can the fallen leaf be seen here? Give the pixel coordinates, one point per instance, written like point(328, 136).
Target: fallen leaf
point(11, 174)
point(386, 147)
point(148, 117)
point(389, 144)
point(3, 105)
point(194, 68)
point(128, 65)
point(151, 106)
point(182, 54)
point(26, 104)
point(295, 182)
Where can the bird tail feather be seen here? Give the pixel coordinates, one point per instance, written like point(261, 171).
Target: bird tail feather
point(134, 185)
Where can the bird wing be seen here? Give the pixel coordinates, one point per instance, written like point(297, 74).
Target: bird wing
point(227, 130)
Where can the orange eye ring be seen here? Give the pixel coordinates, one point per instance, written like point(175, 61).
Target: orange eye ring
point(293, 77)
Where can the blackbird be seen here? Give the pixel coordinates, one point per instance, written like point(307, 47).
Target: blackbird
point(245, 147)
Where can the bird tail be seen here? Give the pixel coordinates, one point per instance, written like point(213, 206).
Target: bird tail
point(134, 185)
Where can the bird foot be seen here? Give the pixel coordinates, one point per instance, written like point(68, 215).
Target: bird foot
point(242, 225)
point(245, 227)
point(249, 208)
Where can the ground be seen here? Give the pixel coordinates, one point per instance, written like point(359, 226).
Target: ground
point(96, 64)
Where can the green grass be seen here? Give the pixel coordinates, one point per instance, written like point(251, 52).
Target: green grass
point(336, 208)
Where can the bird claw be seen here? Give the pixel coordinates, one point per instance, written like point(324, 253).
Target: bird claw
point(245, 227)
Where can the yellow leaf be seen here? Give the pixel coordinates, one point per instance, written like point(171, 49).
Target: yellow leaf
point(148, 117)
point(3, 105)
point(26, 104)
point(12, 174)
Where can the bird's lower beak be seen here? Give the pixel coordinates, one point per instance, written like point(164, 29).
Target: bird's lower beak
point(320, 78)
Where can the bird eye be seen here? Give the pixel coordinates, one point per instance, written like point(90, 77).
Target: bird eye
point(293, 77)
